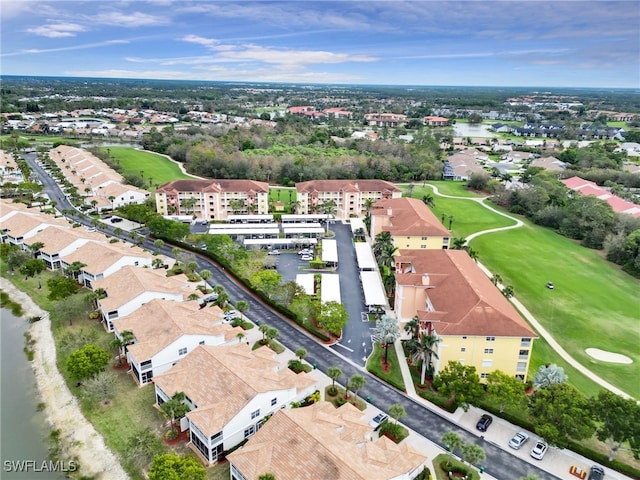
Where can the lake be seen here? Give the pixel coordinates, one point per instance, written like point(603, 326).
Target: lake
point(473, 131)
point(24, 432)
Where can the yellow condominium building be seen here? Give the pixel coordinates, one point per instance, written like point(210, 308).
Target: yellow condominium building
point(453, 299)
point(348, 197)
point(411, 224)
point(212, 199)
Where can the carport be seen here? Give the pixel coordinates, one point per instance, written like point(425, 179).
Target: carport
point(330, 288)
point(307, 282)
point(374, 294)
point(364, 255)
point(330, 252)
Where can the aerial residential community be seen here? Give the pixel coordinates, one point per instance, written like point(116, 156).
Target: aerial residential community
point(320, 240)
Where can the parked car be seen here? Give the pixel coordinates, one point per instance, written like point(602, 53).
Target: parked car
point(518, 440)
point(116, 220)
point(484, 422)
point(90, 229)
point(550, 285)
point(274, 252)
point(596, 473)
point(539, 449)
point(306, 258)
point(210, 298)
point(230, 315)
point(305, 251)
point(378, 420)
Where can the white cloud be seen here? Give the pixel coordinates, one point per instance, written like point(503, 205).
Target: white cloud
point(57, 30)
point(62, 49)
point(128, 19)
point(297, 57)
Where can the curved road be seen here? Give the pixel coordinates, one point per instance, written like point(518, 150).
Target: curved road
point(530, 318)
point(499, 463)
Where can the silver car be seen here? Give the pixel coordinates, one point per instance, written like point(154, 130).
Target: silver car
point(518, 440)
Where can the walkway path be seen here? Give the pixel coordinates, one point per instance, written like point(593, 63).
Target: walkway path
point(530, 318)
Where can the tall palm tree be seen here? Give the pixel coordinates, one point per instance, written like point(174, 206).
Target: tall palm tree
point(334, 373)
point(35, 248)
point(205, 275)
point(422, 350)
point(382, 239)
point(413, 327)
point(428, 200)
point(357, 383)
point(386, 257)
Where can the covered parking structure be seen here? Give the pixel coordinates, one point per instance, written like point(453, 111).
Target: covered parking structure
point(307, 282)
point(299, 232)
point(264, 218)
point(262, 233)
point(330, 252)
point(364, 256)
point(284, 243)
point(311, 217)
point(374, 294)
point(330, 288)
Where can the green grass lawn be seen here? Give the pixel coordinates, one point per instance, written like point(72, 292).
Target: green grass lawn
point(285, 195)
point(155, 167)
point(593, 304)
point(374, 365)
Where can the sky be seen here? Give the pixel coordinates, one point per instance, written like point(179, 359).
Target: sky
point(468, 43)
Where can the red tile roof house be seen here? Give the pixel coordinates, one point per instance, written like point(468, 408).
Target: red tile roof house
point(385, 119)
point(230, 390)
point(212, 197)
point(165, 331)
point(456, 301)
point(435, 121)
point(350, 196)
point(323, 442)
point(586, 187)
point(131, 287)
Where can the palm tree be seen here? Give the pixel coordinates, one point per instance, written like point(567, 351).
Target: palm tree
point(205, 275)
point(472, 253)
point(35, 247)
point(508, 291)
point(272, 333)
point(263, 329)
point(242, 306)
point(240, 336)
point(413, 327)
point(119, 343)
point(382, 239)
point(458, 243)
point(301, 353)
point(74, 269)
point(158, 243)
point(472, 453)
point(451, 441)
point(397, 411)
point(387, 332)
point(356, 383)
point(423, 351)
point(428, 200)
point(496, 279)
point(450, 221)
point(192, 266)
point(387, 256)
point(334, 373)
point(410, 188)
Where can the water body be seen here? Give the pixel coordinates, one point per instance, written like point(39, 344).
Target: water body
point(473, 131)
point(23, 430)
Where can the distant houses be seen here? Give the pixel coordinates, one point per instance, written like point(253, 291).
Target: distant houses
point(586, 187)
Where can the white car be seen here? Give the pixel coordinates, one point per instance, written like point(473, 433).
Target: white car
point(378, 420)
point(518, 440)
point(230, 315)
point(306, 251)
point(539, 449)
point(306, 258)
point(274, 252)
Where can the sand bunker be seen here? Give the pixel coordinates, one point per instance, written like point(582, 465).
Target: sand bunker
point(607, 356)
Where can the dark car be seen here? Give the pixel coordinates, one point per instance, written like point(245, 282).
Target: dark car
point(484, 422)
point(596, 473)
point(116, 220)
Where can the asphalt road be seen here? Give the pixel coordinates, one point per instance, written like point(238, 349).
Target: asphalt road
point(499, 463)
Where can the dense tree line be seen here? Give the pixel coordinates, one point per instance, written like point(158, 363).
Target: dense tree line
point(590, 220)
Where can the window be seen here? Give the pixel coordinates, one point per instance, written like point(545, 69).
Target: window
point(490, 339)
point(145, 365)
point(526, 342)
point(523, 355)
point(255, 414)
point(146, 376)
point(249, 431)
point(521, 367)
point(423, 246)
point(487, 363)
point(484, 375)
point(182, 351)
point(464, 337)
point(274, 401)
point(488, 350)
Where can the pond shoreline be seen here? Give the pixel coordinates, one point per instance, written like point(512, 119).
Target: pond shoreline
point(77, 434)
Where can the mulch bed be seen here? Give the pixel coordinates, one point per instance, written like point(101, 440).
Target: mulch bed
point(182, 437)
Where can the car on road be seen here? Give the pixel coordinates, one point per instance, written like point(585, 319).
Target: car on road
point(539, 449)
point(518, 440)
point(484, 422)
point(378, 420)
point(274, 252)
point(596, 472)
point(305, 251)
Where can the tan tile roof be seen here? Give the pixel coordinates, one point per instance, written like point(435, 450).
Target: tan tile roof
point(322, 442)
point(410, 217)
point(221, 380)
point(130, 282)
point(99, 256)
point(57, 238)
point(7, 206)
point(21, 223)
point(221, 185)
point(158, 323)
point(466, 302)
point(346, 185)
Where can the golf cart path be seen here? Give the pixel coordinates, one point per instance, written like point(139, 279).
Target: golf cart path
point(527, 314)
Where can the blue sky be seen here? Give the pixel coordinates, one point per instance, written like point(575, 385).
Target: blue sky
point(484, 43)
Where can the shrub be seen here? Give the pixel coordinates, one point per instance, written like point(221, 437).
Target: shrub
point(394, 431)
